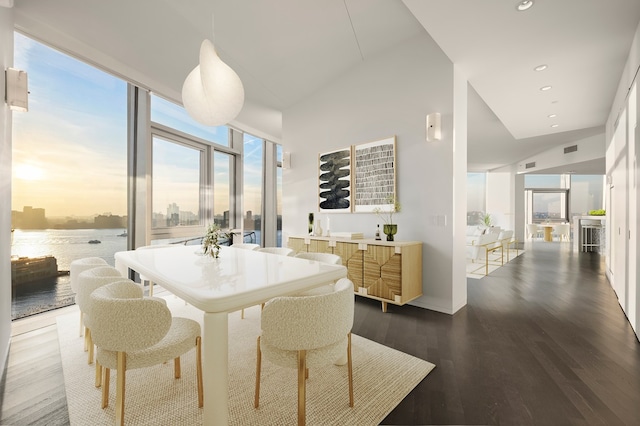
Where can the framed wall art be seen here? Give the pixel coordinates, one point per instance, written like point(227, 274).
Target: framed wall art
point(335, 181)
point(374, 174)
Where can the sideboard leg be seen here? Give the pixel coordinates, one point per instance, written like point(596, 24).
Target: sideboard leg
point(384, 306)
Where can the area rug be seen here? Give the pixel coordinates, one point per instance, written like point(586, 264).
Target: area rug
point(382, 378)
point(478, 270)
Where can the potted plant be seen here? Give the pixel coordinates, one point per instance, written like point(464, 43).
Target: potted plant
point(210, 243)
point(486, 220)
point(389, 228)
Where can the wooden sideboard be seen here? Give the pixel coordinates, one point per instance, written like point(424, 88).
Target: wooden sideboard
point(389, 271)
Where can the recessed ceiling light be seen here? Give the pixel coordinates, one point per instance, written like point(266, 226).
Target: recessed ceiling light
point(524, 5)
point(554, 125)
point(552, 115)
point(554, 102)
point(540, 67)
point(545, 88)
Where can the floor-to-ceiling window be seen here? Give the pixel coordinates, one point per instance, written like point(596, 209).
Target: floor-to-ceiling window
point(69, 177)
point(70, 183)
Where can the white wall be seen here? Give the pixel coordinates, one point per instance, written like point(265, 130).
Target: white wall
point(622, 171)
point(389, 94)
point(6, 60)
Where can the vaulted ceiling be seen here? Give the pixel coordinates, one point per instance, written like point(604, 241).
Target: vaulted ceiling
point(285, 50)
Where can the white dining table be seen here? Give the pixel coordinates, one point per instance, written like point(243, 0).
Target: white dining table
point(237, 279)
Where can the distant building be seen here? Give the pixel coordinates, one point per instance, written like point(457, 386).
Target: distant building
point(29, 218)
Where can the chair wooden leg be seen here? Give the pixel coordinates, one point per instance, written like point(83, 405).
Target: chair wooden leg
point(302, 387)
point(150, 288)
point(81, 327)
point(256, 400)
point(242, 314)
point(350, 371)
point(105, 387)
point(90, 346)
point(199, 371)
point(86, 339)
point(176, 367)
point(98, 374)
point(120, 388)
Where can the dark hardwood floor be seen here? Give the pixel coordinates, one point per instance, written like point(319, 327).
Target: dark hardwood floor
point(542, 341)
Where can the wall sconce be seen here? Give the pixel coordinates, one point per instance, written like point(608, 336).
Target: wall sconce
point(433, 127)
point(286, 160)
point(16, 90)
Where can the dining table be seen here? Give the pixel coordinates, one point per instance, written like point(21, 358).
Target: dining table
point(237, 279)
point(548, 231)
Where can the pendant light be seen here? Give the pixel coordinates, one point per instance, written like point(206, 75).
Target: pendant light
point(212, 93)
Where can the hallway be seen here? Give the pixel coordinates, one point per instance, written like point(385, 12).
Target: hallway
point(541, 341)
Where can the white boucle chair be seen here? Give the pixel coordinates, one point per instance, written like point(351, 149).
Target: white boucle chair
point(306, 332)
point(88, 281)
point(144, 279)
point(246, 246)
point(77, 266)
point(333, 259)
point(132, 332)
point(282, 251)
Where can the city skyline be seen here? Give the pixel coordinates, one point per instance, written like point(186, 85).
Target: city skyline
point(70, 148)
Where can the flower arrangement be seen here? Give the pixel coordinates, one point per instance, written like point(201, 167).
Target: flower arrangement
point(210, 243)
point(387, 214)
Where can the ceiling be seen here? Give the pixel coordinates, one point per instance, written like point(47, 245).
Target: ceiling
point(285, 50)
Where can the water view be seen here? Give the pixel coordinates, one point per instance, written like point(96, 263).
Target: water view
point(65, 245)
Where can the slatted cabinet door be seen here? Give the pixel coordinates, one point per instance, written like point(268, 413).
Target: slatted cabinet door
point(387, 271)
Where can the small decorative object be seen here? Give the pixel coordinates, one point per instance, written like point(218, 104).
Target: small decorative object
point(328, 227)
point(486, 220)
point(389, 228)
point(210, 243)
point(378, 232)
point(310, 223)
point(318, 231)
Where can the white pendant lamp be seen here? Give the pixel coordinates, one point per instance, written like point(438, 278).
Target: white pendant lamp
point(212, 93)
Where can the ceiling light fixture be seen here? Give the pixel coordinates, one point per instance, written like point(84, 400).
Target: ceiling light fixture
point(541, 67)
point(555, 125)
point(545, 88)
point(552, 115)
point(524, 5)
point(212, 93)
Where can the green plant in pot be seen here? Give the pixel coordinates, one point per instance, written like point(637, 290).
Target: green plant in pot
point(386, 214)
point(486, 220)
point(210, 242)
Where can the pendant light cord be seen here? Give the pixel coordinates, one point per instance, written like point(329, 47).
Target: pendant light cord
point(353, 29)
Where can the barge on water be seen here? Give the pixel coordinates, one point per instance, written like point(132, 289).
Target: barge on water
point(28, 269)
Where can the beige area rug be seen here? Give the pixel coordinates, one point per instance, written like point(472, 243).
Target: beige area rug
point(382, 378)
point(477, 269)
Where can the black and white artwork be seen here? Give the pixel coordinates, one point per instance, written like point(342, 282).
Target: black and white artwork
point(375, 174)
point(335, 181)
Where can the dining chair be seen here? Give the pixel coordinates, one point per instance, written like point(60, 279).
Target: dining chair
point(246, 246)
point(563, 230)
point(307, 332)
point(333, 259)
point(283, 251)
point(143, 278)
point(77, 266)
point(88, 281)
point(534, 231)
point(132, 332)
point(330, 258)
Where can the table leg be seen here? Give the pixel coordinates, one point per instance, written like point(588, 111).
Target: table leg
point(215, 347)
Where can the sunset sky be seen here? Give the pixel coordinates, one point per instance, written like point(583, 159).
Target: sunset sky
point(69, 149)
